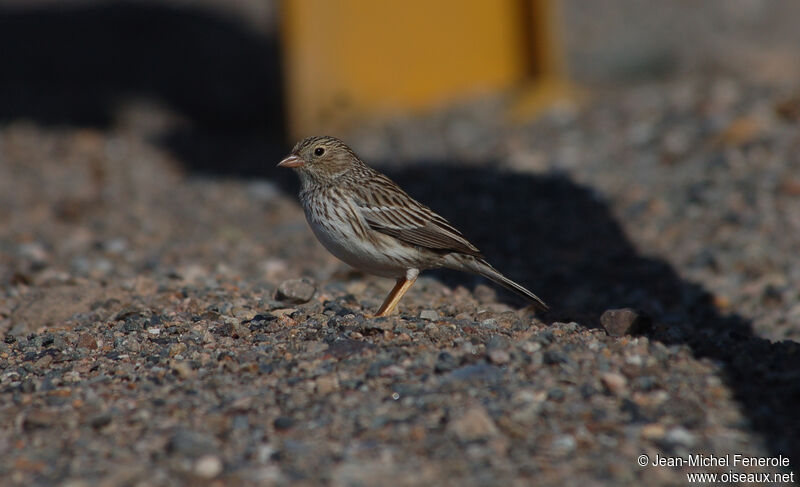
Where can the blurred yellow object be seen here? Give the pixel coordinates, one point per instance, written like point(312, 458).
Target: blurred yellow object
point(347, 60)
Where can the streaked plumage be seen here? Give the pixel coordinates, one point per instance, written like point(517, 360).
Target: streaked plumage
point(366, 220)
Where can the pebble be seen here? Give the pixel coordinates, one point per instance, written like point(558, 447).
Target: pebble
point(384, 323)
point(191, 443)
point(39, 419)
point(283, 423)
point(445, 362)
point(392, 370)
point(625, 321)
point(563, 445)
point(429, 314)
point(183, 370)
point(133, 345)
point(552, 357)
point(34, 251)
point(87, 341)
point(282, 312)
point(208, 466)
point(531, 347)
point(473, 424)
point(499, 356)
point(296, 291)
point(327, 384)
point(475, 373)
point(680, 436)
point(614, 383)
point(177, 349)
point(100, 420)
point(44, 362)
point(653, 431)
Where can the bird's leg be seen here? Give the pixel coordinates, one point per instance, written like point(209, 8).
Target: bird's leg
point(403, 285)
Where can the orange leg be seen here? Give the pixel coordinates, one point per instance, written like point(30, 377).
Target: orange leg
point(390, 303)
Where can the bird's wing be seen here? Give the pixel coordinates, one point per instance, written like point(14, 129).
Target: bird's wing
point(389, 210)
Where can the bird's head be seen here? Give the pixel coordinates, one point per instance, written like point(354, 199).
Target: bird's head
point(320, 159)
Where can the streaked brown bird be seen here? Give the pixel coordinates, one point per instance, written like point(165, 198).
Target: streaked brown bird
point(365, 219)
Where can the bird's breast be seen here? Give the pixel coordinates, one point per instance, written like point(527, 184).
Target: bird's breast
point(339, 226)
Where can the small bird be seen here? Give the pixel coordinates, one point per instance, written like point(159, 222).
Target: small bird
point(365, 219)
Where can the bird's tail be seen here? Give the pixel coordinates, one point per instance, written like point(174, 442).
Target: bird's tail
point(481, 267)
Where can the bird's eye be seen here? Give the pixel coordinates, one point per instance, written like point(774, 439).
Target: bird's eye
point(319, 151)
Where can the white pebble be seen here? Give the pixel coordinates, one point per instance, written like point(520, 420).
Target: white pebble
point(208, 466)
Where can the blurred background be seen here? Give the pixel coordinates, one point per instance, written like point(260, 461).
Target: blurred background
point(605, 154)
point(283, 70)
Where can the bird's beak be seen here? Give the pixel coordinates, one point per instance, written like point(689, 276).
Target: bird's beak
point(291, 161)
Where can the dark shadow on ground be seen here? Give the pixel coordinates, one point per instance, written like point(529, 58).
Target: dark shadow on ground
point(74, 65)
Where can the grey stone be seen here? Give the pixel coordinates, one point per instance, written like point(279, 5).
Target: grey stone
point(191, 443)
point(474, 424)
point(296, 291)
point(429, 314)
point(625, 321)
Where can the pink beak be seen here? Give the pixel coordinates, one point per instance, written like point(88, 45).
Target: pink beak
point(291, 161)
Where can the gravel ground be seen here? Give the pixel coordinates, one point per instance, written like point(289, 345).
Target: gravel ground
point(162, 327)
point(167, 317)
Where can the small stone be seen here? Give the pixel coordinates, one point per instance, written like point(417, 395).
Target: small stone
point(296, 291)
point(177, 349)
point(244, 314)
point(264, 452)
point(614, 383)
point(680, 436)
point(498, 356)
point(531, 347)
point(327, 384)
point(429, 314)
point(625, 321)
point(34, 251)
point(497, 350)
point(59, 342)
point(87, 341)
point(653, 431)
point(552, 357)
point(100, 420)
point(115, 246)
point(384, 323)
point(191, 443)
point(635, 360)
point(225, 329)
point(498, 341)
point(282, 312)
point(563, 445)
point(445, 362)
point(480, 373)
point(393, 370)
point(474, 424)
point(182, 370)
point(44, 362)
point(555, 394)
point(208, 466)
point(39, 419)
point(283, 423)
